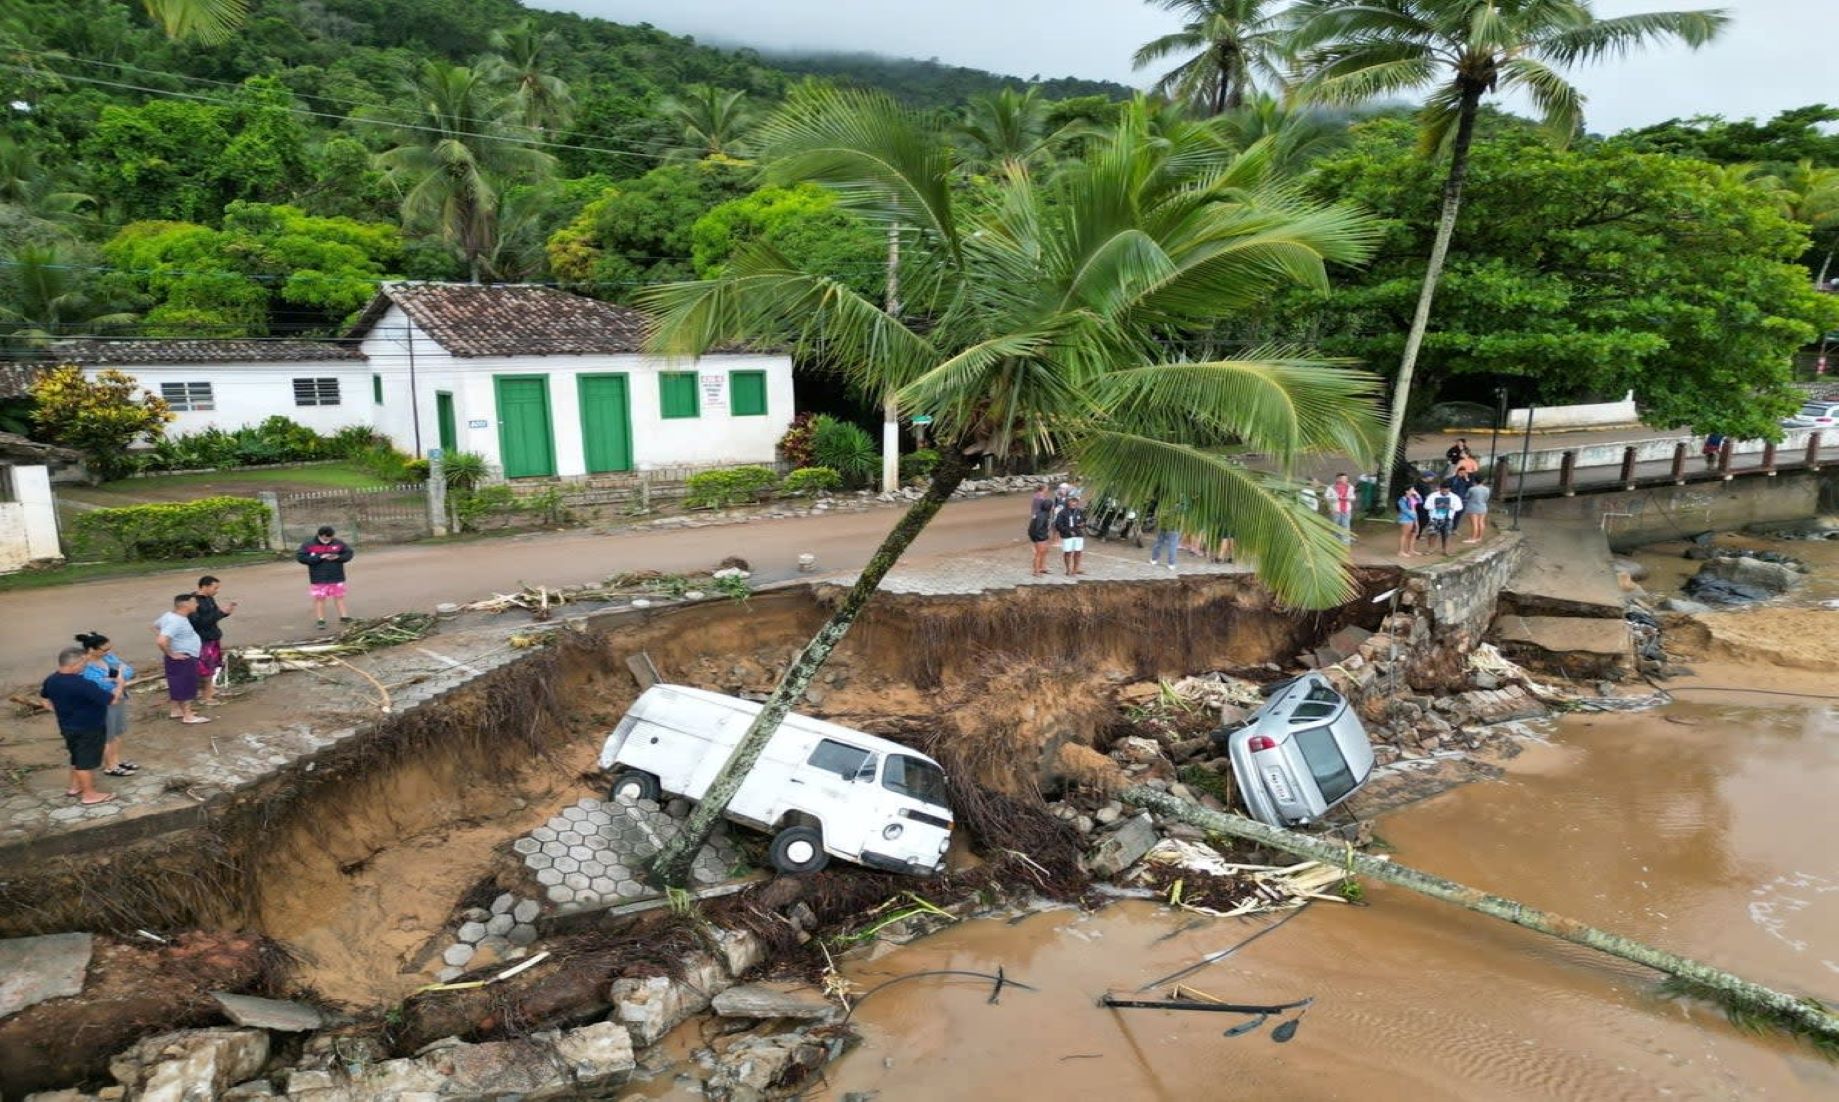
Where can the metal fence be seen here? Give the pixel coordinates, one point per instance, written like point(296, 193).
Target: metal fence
point(628, 492)
point(380, 514)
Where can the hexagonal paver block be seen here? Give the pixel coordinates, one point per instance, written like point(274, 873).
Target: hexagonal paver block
point(570, 838)
point(549, 877)
point(559, 824)
point(449, 974)
point(526, 910)
point(522, 935)
point(574, 814)
point(598, 818)
point(499, 945)
point(619, 872)
point(503, 904)
point(543, 834)
point(526, 845)
point(556, 848)
point(458, 955)
point(567, 864)
point(645, 850)
point(539, 861)
point(630, 889)
point(593, 868)
point(588, 803)
point(472, 932)
point(499, 925)
point(602, 886)
point(560, 893)
point(576, 881)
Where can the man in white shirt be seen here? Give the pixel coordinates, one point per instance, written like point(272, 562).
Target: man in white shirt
point(1341, 506)
point(1443, 505)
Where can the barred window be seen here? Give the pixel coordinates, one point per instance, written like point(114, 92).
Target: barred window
point(316, 392)
point(188, 397)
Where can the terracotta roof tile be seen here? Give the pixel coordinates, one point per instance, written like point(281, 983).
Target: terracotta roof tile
point(16, 379)
point(519, 319)
point(150, 351)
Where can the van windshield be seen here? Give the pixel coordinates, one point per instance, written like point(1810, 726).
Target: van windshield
point(913, 777)
point(1326, 762)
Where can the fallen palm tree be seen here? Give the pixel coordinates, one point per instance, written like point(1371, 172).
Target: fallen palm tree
point(1747, 1003)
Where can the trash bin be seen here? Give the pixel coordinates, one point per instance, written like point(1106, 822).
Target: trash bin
point(1366, 495)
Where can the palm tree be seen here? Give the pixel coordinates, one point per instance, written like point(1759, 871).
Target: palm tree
point(1038, 328)
point(1462, 50)
point(1005, 127)
point(1809, 194)
point(25, 182)
point(713, 121)
point(520, 59)
point(42, 299)
point(206, 20)
point(1298, 135)
point(455, 155)
point(1231, 40)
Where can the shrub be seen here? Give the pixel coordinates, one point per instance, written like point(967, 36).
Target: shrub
point(464, 470)
point(385, 462)
point(844, 448)
point(100, 417)
point(727, 485)
point(918, 464)
point(417, 470)
point(806, 481)
point(471, 506)
point(276, 440)
point(352, 440)
point(795, 445)
point(172, 530)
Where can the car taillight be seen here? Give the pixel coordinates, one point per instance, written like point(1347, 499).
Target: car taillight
point(1261, 742)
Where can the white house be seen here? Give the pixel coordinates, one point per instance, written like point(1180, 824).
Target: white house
point(539, 381)
point(543, 382)
point(28, 516)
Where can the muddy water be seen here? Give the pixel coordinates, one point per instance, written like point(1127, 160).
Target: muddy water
point(1702, 827)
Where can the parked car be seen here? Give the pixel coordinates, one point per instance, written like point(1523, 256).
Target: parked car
point(1814, 415)
point(822, 790)
point(1300, 754)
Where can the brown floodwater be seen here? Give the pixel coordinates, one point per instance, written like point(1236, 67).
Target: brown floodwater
point(1702, 827)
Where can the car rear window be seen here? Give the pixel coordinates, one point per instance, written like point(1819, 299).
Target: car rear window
point(913, 777)
point(1326, 762)
point(1816, 409)
point(839, 758)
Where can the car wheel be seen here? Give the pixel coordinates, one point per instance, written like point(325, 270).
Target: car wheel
point(633, 785)
point(799, 849)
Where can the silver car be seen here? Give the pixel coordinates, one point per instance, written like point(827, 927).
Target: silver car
point(1814, 415)
point(1300, 754)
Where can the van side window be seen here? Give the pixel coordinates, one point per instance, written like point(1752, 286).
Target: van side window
point(843, 760)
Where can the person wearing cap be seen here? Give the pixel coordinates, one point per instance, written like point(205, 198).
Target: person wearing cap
point(1071, 526)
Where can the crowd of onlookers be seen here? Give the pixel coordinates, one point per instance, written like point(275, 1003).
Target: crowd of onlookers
point(1431, 505)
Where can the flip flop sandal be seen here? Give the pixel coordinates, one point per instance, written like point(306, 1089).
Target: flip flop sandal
point(197, 719)
point(128, 765)
point(72, 795)
point(118, 771)
point(106, 797)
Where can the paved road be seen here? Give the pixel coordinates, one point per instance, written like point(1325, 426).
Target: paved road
point(274, 604)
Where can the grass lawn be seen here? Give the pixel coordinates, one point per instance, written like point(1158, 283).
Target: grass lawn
point(186, 487)
point(94, 571)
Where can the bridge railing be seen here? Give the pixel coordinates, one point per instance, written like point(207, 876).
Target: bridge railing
point(1566, 471)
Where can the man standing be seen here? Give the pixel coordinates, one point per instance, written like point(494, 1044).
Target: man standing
point(1040, 526)
point(208, 618)
point(1167, 532)
point(82, 708)
point(1341, 506)
point(325, 557)
point(178, 641)
point(1455, 453)
point(1071, 524)
point(1443, 507)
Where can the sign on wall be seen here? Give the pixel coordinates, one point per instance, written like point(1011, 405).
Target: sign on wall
point(478, 424)
point(714, 391)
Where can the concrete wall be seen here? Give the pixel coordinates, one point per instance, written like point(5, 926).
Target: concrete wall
point(712, 438)
point(28, 522)
point(248, 394)
point(1793, 446)
point(1673, 512)
point(1597, 415)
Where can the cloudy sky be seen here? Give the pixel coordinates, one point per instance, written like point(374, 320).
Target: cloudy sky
point(1776, 55)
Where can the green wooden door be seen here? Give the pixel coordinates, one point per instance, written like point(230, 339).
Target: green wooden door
point(443, 416)
point(606, 423)
point(525, 440)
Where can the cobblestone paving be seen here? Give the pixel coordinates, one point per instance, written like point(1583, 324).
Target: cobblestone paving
point(591, 855)
point(1007, 568)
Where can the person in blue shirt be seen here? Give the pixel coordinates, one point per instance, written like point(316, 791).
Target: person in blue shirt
point(105, 668)
point(82, 708)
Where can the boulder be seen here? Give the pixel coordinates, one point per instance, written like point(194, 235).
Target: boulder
point(191, 1065)
point(651, 1006)
point(773, 1000)
point(1681, 604)
point(753, 1066)
point(598, 1055)
point(33, 969)
point(285, 1017)
point(1123, 847)
point(1741, 579)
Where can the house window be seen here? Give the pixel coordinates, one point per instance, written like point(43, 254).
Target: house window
point(747, 393)
point(316, 392)
point(188, 397)
point(677, 394)
point(376, 389)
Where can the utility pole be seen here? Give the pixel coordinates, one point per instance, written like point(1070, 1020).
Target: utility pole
point(890, 409)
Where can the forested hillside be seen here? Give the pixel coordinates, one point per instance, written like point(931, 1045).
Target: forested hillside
point(932, 83)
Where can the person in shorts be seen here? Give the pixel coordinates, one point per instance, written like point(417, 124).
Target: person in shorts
point(1040, 526)
point(208, 618)
point(82, 709)
point(1475, 507)
point(179, 643)
point(1443, 506)
point(325, 556)
point(1071, 525)
point(1341, 506)
point(103, 666)
point(1408, 522)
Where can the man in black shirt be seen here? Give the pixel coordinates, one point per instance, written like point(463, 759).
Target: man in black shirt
point(208, 620)
point(1070, 523)
point(82, 708)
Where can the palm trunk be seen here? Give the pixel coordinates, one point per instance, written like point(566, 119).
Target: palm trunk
point(672, 866)
point(1826, 266)
point(1796, 1013)
point(1420, 321)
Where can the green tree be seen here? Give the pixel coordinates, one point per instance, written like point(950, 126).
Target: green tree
point(1005, 127)
point(804, 222)
point(1043, 331)
point(1573, 273)
point(1797, 134)
point(712, 122)
point(1463, 50)
point(1232, 42)
point(44, 294)
point(643, 231)
point(521, 59)
point(1297, 135)
point(1809, 194)
point(101, 417)
point(454, 156)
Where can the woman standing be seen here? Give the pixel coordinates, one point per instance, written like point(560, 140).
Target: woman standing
point(105, 667)
point(1040, 526)
point(1408, 504)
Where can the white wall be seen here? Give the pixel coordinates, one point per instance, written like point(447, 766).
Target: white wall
point(28, 524)
point(714, 437)
point(1597, 415)
point(248, 394)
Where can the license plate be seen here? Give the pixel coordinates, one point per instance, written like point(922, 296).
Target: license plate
point(1280, 788)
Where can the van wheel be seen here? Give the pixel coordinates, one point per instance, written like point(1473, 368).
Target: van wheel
point(799, 849)
point(633, 784)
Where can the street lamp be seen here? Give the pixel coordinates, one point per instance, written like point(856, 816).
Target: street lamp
point(1500, 417)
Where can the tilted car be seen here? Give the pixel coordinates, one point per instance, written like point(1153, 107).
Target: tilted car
point(1300, 754)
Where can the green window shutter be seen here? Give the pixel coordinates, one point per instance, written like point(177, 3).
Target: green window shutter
point(677, 394)
point(376, 389)
point(747, 393)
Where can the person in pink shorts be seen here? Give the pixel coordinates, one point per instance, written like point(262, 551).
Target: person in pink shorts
point(325, 556)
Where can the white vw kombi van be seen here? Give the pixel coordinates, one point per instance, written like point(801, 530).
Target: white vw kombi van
point(820, 789)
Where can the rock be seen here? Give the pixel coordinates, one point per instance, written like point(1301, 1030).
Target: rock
point(275, 1014)
point(248, 1092)
point(1188, 749)
point(740, 950)
point(1181, 790)
point(1110, 813)
point(190, 1065)
point(1737, 580)
point(33, 969)
point(1084, 824)
point(598, 1055)
point(651, 1006)
point(754, 1065)
point(770, 1000)
point(1484, 680)
point(1139, 750)
point(1123, 847)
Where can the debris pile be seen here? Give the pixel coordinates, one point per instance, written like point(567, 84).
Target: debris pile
point(642, 588)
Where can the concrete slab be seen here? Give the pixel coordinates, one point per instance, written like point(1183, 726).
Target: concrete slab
point(1566, 570)
point(287, 1017)
point(773, 1000)
point(1568, 646)
point(33, 969)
